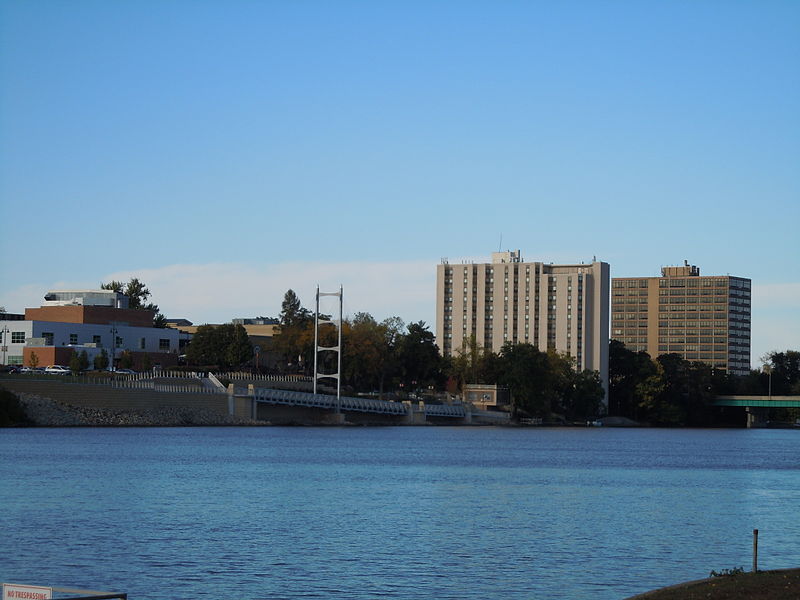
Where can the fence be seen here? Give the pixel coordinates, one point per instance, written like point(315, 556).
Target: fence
point(241, 375)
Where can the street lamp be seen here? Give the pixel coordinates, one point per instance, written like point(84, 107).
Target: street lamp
point(5, 342)
point(768, 370)
point(113, 344)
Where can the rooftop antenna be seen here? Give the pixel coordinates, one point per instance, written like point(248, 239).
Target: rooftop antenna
point(500, 248)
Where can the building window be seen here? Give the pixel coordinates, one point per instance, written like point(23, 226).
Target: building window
point(96, 339)
point(119, 342)
point(163, 344)
point(17, 337)
point(142, 342)
point(73, 338)
point(48, 338)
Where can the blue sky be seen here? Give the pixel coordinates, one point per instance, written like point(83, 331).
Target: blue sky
point(226, 151)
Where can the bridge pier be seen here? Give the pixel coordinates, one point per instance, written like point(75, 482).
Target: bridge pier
point(334, 419)
point(415, 413)
point(756, 416)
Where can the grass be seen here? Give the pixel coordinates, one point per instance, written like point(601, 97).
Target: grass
point(764, 585)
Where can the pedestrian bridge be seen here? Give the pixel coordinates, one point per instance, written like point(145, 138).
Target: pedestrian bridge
point(406, 411)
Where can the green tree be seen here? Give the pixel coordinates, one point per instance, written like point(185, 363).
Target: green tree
point(363, 353)
point(75, 363)
point(785, 367)
point(147, 363)
point(83, 360)
point(295, 340)
point(126, 360)
point(33, 360)
point(626, 371)
point(137, 294)
point(469, 362)
point(101, 360)
point(418, 357)
point(221, 345)
point(650, 392)
point(239, 349)
point(583, 397)
point(292, 312)
point(205, 347)
point(526, 371)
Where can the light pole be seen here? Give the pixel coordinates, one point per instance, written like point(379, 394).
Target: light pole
point(768, 370)
point(5, 342)
point(113, 345)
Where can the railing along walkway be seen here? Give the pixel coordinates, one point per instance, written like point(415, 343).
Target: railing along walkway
point(243, 375)
point(289, 398)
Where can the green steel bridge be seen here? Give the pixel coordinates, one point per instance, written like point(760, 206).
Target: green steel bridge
point(757, 406)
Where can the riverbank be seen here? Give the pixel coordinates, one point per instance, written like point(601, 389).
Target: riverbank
point(41, 411)
point(764, 585)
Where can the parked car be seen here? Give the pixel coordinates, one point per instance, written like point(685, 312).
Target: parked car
point(57, 370)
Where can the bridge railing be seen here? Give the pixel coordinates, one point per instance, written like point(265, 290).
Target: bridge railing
point(290, 398)
point(445, 410)
point(243, 375)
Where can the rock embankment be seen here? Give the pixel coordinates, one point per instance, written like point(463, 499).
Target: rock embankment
point(45, 412)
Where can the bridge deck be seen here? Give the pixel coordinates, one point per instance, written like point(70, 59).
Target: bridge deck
point(348, 403)
point(759, 401)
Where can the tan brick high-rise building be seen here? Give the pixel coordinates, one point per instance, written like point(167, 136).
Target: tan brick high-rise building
point(564, 307)
point(701, 318)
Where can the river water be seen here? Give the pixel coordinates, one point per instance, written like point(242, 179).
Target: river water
point(394, 512)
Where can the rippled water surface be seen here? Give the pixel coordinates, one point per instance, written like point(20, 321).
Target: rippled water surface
point(397, 512)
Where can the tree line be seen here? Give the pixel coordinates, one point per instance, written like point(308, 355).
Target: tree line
point(672, 391)
point(392, 356)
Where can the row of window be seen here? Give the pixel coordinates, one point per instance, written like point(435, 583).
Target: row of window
point(18, 337)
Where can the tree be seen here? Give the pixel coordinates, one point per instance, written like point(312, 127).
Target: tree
point(418, 357)
point(467, 365)
point(295, 341)
point(75, 363)
point(222, 345)
point(526, 372)
point(147, 363)
point(363, 347)
point(126, 360)
point(583, 399)
point(626, 371)
point(292, 313)
point(137, 294)
point(83, 360)
point(33, 360)
point(239, 348)
point(785, 368)
point(101, 360)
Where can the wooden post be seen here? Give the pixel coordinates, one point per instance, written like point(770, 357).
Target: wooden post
point(755, 550)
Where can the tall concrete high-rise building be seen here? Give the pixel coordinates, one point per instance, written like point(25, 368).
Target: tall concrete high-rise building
point(702, 318)
point(563, 307)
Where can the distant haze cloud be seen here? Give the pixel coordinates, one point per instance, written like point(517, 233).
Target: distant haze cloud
point(219, 292)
